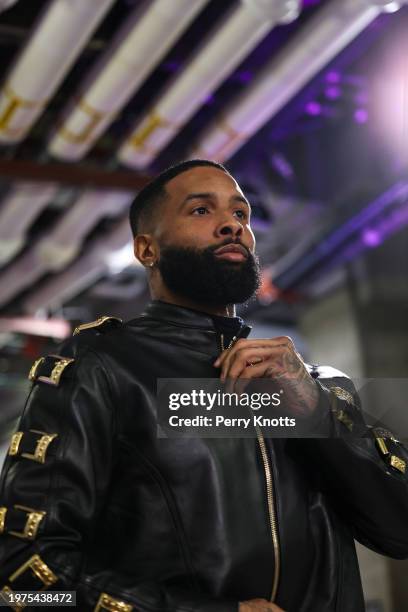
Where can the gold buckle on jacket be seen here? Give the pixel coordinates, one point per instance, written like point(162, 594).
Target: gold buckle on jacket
point(34, 518)
point(106, 602)
point(41, 446)
point(56, 372)
point(3, 512)
point(32, 375)
point(7, 591)
point(395, 462)
point(39, 569)
point(15, 443)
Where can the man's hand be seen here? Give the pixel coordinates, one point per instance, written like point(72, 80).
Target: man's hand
point(274, 358)
point(258, 605)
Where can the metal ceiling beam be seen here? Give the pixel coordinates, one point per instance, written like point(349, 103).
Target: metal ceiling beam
point(73, 175)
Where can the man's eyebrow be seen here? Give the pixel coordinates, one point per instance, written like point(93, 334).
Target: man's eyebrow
point(197, 196)
point(208, 195)
point(240, 198)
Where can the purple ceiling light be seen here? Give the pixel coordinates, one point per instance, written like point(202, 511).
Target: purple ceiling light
point(372, 224)
point(313, 108)
point(332, 92)
point(333, 77)
point(360, 115)
point(371, 237)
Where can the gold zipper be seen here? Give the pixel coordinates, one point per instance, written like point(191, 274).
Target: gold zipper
point(269, 494)
point(231, 344)
point(271, 510)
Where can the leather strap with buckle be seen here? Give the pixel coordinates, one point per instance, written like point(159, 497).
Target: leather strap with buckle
point(21, 521)
point(389, 457)
point(32, 444)
point(106, 602)
point(49, 369)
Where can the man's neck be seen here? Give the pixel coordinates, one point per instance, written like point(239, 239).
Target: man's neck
point(222, 310)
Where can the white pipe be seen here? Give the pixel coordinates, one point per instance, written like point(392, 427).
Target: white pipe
point(138, 48)
point(49, 328)
point(62, 244)
point(82, 273)
point(21, 273)
point(5, 4)
point(224, 49)
point(53, 47)
point(18, 210)
point(323, 37)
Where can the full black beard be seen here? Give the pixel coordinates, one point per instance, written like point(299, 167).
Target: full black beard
point(198, 275)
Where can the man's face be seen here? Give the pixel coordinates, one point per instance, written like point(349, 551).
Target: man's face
point(207, 247)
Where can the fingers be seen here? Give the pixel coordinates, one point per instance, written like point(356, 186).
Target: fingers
point(256, 343)
point(236, 363)
point(247, 359)
point(240, 353)
point(239, 381)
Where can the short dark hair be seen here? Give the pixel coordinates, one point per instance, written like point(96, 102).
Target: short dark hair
point(147, 201)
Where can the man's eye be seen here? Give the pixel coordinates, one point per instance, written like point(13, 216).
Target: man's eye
point(241, 214)
point(200, 210)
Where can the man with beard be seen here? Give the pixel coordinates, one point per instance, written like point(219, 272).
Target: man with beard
point(95, 502)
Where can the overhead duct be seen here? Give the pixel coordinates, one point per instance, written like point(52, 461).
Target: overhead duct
point(48, 328)
point(138, 48)
point(82, 273)
point(5, 4)
point(55, 44)
point(62, 244)
point(18, 210)
point(323, 37)
point(225, 48)
point(366, 229)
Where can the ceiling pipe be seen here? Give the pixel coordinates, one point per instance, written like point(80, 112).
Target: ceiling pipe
point(18, 210)
point(322, 38)
point(62, 244)
point(82, 273)
point(53, 47)
point(138, 48)
point(5, 4)
point(33, 326)
point(225, 47)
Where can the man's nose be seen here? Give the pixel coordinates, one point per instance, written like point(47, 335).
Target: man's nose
point(230, 227)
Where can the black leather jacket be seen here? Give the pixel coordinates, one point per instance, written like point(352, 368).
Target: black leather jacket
point(93, 501)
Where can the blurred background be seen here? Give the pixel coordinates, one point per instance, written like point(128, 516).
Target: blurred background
point(305, 101)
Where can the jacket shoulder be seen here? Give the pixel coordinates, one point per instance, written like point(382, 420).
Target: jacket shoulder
point(92, 335)
point(325, 372)
point(337, 382)
point(102, 324)
point(53, 368)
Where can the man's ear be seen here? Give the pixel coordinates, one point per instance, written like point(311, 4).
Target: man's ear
point(146, 250)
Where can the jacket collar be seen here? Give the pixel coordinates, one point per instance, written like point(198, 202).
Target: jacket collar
point(186, 317)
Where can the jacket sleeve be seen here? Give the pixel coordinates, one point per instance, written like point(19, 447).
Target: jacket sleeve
point(54, 484)
point(363, 470)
